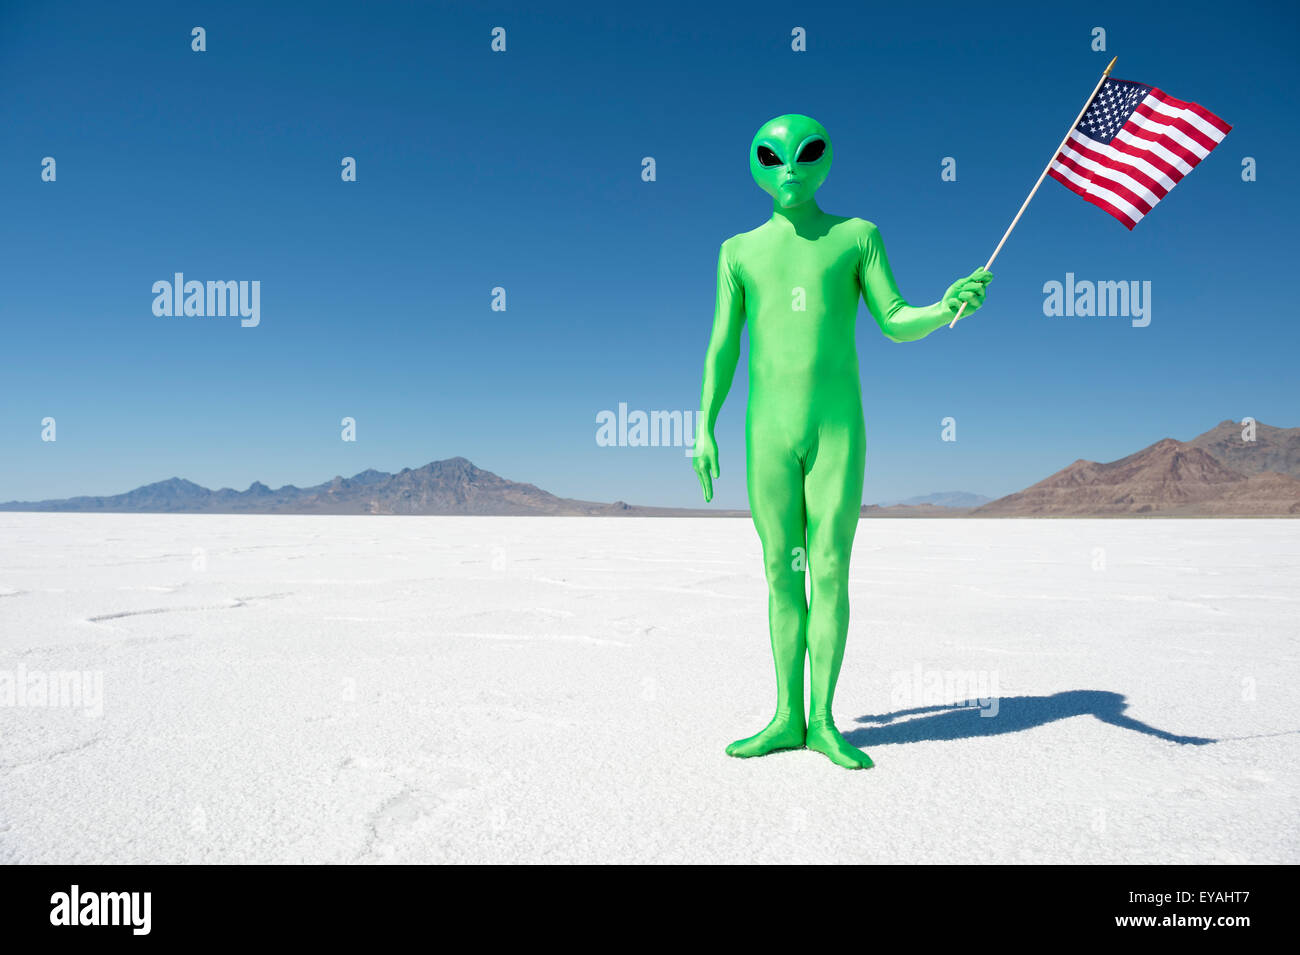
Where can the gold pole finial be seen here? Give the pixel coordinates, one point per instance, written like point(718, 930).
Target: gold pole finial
point(1110, 65)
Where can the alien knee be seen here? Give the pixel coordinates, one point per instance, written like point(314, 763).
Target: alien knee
point(785, 572)
point(829, 568)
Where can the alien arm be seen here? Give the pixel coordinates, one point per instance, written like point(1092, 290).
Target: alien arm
point(899, 321)
point(724, 343)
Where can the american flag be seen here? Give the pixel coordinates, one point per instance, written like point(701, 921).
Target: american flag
point(1132, 146)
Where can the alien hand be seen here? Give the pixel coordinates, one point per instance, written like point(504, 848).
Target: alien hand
point(969, 290)
point(706, 463)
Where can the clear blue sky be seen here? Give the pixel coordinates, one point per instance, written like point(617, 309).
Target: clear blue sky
point(523, 169)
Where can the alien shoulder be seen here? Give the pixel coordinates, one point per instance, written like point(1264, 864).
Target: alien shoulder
point(732, 250)
point(737, 242)
point(868, 237)
point(727, 251)
point(865, 228)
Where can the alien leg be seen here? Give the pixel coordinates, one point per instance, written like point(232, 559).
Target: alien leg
point(774, 477)
point(833, 494)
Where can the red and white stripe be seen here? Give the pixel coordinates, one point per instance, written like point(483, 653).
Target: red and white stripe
point(1160, 143)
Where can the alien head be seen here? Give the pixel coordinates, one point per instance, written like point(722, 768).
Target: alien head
point(789, 158)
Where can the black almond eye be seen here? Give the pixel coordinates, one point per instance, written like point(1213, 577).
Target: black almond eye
point(813, 151)
point(767, 158)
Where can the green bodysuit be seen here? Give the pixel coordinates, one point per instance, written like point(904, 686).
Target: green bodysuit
point(796, 280)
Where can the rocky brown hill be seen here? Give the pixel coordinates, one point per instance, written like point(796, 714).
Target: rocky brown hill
point(1169, 478)
point(1273, 449)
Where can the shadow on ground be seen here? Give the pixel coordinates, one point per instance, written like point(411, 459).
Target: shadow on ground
point(1014, 713)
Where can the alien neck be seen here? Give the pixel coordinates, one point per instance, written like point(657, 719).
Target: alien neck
point(798, 216)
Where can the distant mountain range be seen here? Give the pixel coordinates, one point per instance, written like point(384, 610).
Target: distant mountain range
point(453, 486)
point(942, 499)
point(1217, 474)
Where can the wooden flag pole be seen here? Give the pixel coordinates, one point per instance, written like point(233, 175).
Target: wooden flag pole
point(1091, 96)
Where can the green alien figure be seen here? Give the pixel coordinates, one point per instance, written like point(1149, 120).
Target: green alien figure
point(796, 280)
